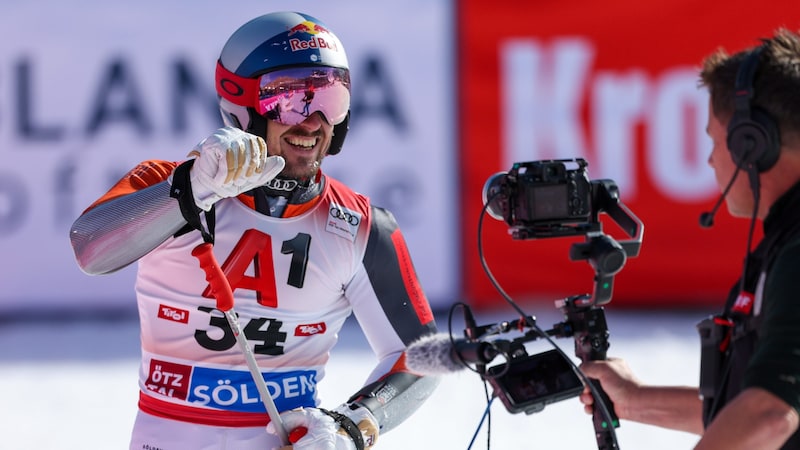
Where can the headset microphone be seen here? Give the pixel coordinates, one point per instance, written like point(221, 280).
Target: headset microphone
point(707, 218)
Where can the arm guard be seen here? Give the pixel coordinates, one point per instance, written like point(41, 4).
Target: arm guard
point(116, 233)
point(394, 398)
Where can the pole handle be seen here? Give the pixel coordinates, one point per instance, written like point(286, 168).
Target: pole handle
point(220, 287)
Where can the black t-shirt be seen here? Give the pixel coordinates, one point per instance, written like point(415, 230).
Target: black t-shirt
point(765, 352)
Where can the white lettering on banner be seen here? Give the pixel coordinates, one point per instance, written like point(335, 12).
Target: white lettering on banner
point(541, 100)
point(543, 90)
point(616, 107)
point(684, 175)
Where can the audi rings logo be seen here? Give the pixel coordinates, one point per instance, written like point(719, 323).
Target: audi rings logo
point(347, 216)
point(281, 184)
point(343, 222)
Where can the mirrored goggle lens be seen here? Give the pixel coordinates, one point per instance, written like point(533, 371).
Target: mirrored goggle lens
point(289, 96)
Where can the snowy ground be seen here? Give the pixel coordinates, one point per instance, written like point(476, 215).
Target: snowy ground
point(72, 385)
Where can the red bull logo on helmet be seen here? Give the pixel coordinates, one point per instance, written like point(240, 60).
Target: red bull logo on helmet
point(314, 41)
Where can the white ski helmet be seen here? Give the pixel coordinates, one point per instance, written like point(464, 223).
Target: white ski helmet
point(284, 66)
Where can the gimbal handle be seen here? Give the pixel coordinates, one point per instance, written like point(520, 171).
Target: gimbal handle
point(587, 323)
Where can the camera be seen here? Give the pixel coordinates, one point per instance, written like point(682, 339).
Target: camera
point(529, 383)
point(556, 198)
point(541, 193)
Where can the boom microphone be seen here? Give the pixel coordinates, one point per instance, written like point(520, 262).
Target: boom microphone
point(438, 354)
point(707, 218)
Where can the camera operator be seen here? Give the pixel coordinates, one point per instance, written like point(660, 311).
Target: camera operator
point(749, 392)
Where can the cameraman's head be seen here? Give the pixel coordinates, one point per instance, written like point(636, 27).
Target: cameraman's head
point(754, 119)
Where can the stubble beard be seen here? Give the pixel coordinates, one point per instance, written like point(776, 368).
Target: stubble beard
point(302, 173)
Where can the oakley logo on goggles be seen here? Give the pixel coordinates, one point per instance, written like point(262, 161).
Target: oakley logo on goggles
point(289, 96)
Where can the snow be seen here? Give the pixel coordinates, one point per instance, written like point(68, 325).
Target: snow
point(73, 385)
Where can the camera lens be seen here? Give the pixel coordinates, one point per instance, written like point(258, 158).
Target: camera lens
point(492, 193)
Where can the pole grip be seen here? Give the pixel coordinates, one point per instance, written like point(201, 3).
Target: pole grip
point(220, 287)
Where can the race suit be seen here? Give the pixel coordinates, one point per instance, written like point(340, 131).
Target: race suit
point(295, 280)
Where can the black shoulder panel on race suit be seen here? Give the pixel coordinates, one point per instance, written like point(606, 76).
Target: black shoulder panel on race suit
point(394, 279)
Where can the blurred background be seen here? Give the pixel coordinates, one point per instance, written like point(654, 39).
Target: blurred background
point(445, 94)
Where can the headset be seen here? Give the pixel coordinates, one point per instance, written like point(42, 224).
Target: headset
point(753, 135)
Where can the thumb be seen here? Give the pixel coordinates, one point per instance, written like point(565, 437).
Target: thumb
point(272, 167)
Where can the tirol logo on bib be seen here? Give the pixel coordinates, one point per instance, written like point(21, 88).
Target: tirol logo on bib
point(343, 221)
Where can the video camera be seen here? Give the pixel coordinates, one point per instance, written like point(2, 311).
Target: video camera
point(556, 198)
point(548, 199)
point(541, 194)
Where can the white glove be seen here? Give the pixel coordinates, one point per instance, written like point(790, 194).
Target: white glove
point(323, 432)
point(230, 162)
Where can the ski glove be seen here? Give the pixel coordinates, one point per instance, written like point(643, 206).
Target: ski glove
point(341, 429)
point(228, 163)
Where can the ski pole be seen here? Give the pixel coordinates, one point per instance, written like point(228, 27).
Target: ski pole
point(221, 289)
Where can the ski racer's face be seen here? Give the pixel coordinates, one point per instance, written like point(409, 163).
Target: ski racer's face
point(303, 145)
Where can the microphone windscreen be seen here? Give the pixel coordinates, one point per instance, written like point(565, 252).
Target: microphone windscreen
point(432, 355)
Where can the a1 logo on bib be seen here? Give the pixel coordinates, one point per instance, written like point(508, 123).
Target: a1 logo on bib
point(343, 221)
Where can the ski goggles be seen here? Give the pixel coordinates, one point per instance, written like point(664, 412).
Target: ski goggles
point(289, 96)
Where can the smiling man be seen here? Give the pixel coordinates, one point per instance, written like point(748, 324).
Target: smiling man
point(301, 252)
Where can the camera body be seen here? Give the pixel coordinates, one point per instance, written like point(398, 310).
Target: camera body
point(541, 193)
point(556, 198)
point(529, 383)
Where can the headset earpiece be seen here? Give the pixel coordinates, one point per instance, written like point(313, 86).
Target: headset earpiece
point(753, 136)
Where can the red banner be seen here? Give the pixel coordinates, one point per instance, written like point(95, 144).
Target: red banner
point(614, 83)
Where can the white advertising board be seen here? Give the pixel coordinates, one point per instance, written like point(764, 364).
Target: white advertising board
point(88, 89)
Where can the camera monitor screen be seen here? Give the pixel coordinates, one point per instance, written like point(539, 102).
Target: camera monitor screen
point(535, 381)
point(550, 202)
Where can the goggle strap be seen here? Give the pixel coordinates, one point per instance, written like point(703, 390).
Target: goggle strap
point(238, 90)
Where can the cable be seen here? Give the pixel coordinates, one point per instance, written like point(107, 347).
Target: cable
point(755, 186)
point(486, 414)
